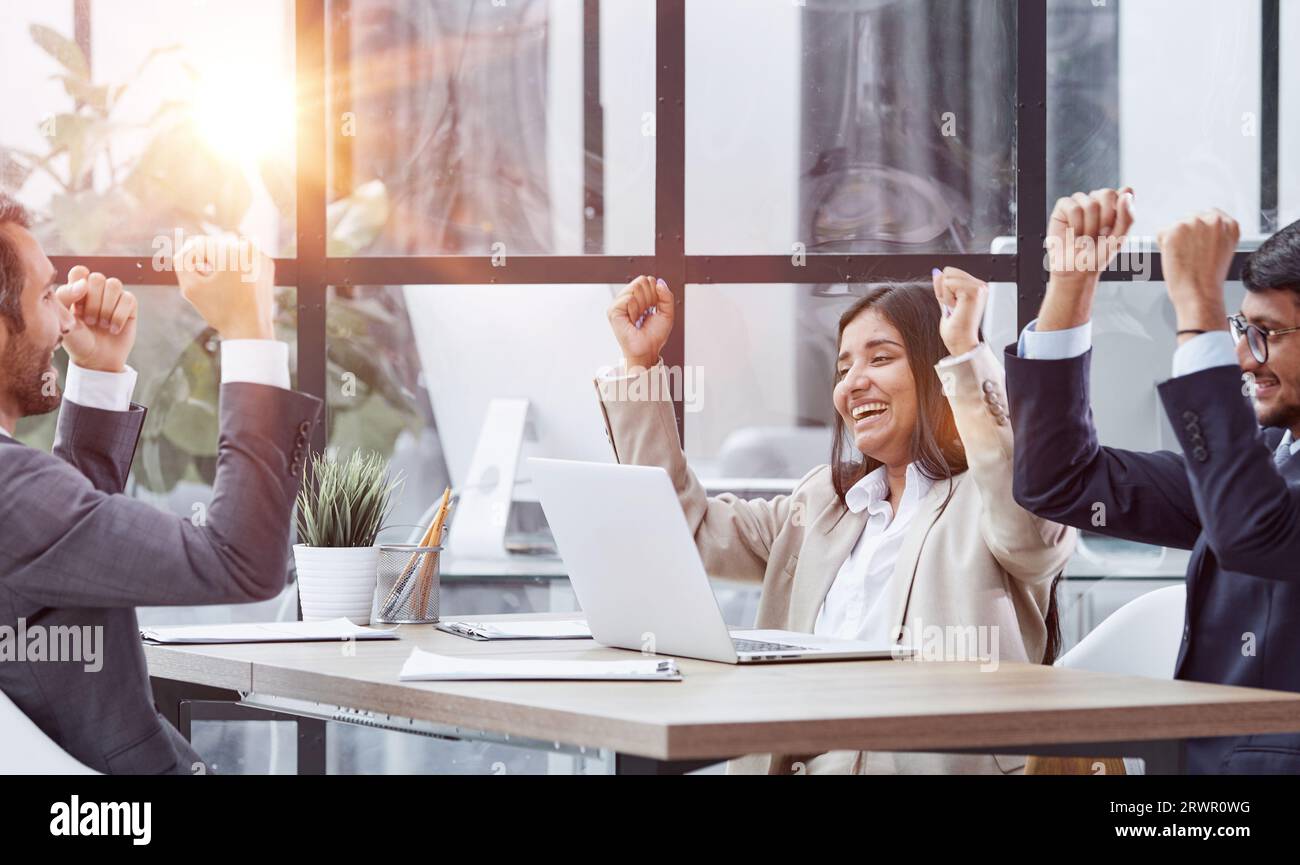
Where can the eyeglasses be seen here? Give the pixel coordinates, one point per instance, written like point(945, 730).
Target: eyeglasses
point(1256, 336)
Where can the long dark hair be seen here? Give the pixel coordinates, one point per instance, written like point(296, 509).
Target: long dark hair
point(937, 448)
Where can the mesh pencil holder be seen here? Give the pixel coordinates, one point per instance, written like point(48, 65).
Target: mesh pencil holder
point(406, 588)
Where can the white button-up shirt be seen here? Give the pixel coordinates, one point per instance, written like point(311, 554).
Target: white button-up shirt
point(854, 608)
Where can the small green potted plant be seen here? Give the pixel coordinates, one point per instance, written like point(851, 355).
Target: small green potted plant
point(341, 510)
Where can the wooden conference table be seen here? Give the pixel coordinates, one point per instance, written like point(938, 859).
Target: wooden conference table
point(718, 711)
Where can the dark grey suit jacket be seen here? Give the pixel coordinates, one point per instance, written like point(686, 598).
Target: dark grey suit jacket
point(74, 551)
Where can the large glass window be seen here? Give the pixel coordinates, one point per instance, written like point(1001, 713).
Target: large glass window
point(377, 396)
point(479, 129)
point(860, 126)
point(126, 127)
point(1182, 127)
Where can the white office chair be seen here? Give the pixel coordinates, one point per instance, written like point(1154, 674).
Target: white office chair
point(1141, 638)
point(26, 750)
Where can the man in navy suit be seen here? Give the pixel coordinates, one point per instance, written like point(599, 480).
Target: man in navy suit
point(1233, 496)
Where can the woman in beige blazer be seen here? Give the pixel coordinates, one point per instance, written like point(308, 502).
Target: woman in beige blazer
point(922, 409)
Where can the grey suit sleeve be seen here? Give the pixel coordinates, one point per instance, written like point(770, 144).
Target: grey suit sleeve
point(67, 542)
point(100, 444)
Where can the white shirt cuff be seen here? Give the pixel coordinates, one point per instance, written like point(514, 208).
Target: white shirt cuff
point(1205, 351)
point(617, 372)
point(1054, 344)
point(614, 372)
point(952, 359)
point(110, 391)
point(255, 361)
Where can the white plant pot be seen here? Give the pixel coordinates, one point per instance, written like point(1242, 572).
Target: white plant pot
point(336, 582)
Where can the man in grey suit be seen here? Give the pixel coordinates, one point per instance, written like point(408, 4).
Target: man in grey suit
point(75, 553)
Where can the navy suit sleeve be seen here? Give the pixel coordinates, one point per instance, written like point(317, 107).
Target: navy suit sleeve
point(1062, 473)
point(1251, 516)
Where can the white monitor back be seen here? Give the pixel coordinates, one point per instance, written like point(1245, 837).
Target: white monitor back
point(542, 343)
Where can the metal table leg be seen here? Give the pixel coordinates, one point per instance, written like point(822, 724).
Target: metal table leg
point(181, 703)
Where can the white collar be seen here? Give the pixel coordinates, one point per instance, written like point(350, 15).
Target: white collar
point(1290, 441)
point(5, 432)
point(872, 492)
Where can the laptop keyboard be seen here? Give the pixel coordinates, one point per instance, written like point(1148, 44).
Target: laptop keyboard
point(764, 646)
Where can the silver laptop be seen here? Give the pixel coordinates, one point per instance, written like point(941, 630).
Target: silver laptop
point(638, 575)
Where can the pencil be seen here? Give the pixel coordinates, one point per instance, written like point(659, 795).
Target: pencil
point(425, 578)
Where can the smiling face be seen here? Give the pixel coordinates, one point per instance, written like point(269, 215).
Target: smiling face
point(1277, 382)
point(875, 391)
point(28, 382)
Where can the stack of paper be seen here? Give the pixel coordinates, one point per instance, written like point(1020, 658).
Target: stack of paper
point(567, 629)
point(265, 632)
point(424, 666)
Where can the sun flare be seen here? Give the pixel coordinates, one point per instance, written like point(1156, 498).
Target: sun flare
point(244, 112)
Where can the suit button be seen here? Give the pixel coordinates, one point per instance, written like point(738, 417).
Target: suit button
point(1190, 416)
point(989, 387)
point(1187, 632)
point(1002, 420)
point(990, 398)
point(304, 427)
point(1193, 428)
point(1200, 454)
point(1197, 441)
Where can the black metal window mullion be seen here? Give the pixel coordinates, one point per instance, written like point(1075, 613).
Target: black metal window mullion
point(1031, 158)
point(1270, 109)
point(827, 267)
point(593, 134)
point(670, 179)
point(311, 250)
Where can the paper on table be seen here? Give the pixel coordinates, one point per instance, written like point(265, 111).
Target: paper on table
point(426, 666)
point(265, 632)
point(566, 629)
